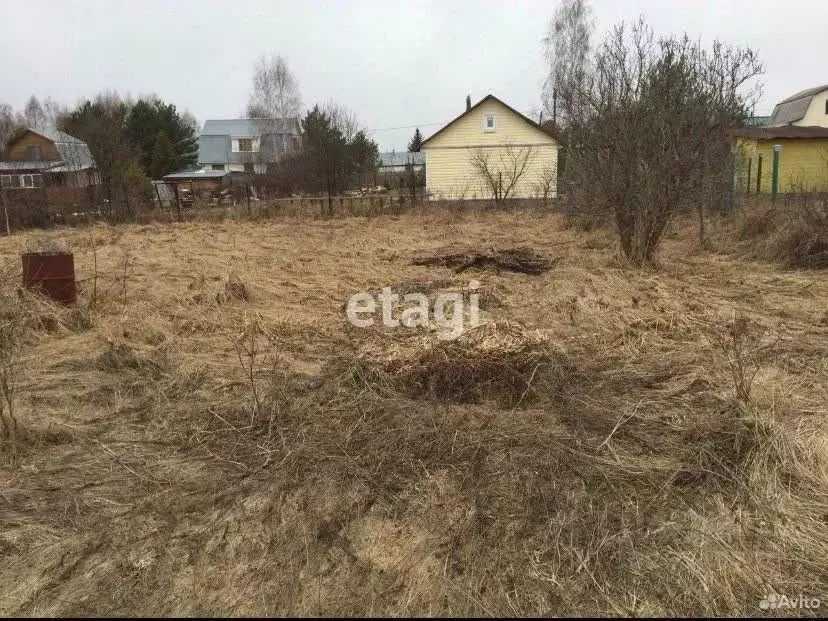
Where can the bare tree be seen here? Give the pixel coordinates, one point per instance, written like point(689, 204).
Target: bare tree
point(343, 119)
point(567, 44)
point(275, 90)
point(53, 112)
point(10, 122)
point(500, 170)
point(275, 103)
point(34, 114)
point(547, 182)
point(650, 119)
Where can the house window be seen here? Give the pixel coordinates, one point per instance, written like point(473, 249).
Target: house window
point(245, 145)
point(489, 123)
point(8, 181)
point(217, 167)
point(33, 153)
point(31, 181)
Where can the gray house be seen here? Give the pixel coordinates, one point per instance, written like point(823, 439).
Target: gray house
point(396, 161)
point(246, 145)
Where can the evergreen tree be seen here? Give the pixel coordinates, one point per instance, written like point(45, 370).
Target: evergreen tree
point(148, 118)
point(325, 151)
point(164, 157)
point(416, 142)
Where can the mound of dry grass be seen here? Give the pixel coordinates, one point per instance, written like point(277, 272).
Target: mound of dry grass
point(522, 260)
point(500, 361)
point(795, 235)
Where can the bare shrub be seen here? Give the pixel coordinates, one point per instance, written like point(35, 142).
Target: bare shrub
point(500, 172)
point(741, 346)
point(651, 121)
point(756, 223)
point(547, 183)
point(249, 345)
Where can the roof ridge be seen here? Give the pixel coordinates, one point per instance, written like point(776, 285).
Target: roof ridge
point(807, 92)
point(255, 118)
point(537, 126)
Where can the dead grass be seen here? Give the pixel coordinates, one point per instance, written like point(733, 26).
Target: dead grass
point(613, 441)
point(794, 234)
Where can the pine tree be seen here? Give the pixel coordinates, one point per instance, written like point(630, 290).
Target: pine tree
point(416, 142)
point(163, 160)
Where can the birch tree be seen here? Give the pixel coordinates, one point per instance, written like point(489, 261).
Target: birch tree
point(275, 90)
point(567, 46)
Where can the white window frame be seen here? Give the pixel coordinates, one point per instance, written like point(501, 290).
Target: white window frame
point(486, 127)
point(254, 144)
point(7, 181)
point(31, 181)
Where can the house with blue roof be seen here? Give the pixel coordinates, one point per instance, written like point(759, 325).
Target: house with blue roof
point(246, 145)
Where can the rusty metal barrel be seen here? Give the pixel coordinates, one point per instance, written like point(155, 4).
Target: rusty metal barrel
point(51, 273)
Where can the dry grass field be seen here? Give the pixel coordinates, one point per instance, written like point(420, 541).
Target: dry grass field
point(204, 433)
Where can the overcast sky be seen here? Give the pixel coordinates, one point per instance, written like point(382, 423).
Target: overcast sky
point(397, 64)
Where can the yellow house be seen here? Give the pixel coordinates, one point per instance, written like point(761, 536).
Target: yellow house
point(803, 159)
point(798, 128)
point(808, 108)
point(491, 151)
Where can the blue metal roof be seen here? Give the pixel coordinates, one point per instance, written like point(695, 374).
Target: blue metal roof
point(197, 174)
point(241, 128)
point(401, 158)
point(214, 143)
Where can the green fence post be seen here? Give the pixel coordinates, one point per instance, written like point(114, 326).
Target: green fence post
point(775, 174)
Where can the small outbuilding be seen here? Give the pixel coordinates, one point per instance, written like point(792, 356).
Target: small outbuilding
point(200, 182)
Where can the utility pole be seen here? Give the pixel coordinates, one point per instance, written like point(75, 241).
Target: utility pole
point(554, 108)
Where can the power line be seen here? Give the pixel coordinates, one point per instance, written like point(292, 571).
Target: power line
point(388, 129)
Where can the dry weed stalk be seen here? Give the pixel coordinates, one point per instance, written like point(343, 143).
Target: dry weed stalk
point(248, 348)
point(125, 265)
point(12, 327)
point(94, 300)
point(741, 346)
